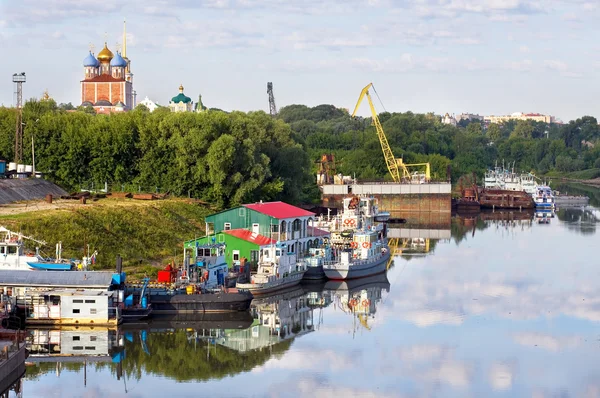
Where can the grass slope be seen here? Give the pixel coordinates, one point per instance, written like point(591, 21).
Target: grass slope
point(143, 233)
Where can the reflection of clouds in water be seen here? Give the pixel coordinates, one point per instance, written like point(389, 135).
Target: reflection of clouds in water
point(430, 365)
point(306, 358)
point(547, 342)
point(317, 386)
point(64, 389)
point(501, 376)
point(436, 298)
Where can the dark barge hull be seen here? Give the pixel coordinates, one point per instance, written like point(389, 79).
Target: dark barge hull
point(135, 314)
point(505, 199)
point(200, 303)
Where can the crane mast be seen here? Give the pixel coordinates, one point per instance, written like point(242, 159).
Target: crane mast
point(390, 160)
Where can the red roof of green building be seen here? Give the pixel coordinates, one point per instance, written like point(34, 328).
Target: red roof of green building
point(249, 236)
point(279, 210)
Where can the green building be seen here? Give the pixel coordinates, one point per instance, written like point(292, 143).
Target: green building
point(248, 228)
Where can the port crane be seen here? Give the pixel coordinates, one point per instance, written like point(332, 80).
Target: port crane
point(397, 168)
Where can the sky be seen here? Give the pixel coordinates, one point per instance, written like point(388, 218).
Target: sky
point(478, 56)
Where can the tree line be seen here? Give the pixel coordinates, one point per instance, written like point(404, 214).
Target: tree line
point(472, 146)
point(223, 158)
point(231, 158)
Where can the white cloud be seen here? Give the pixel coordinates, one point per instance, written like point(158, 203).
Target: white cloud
point(524, 49)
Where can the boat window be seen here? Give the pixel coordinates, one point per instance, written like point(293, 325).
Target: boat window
point(92, 338)
point(76, 338)
point(77, 301)
point(90, 301)
point(236, 256)
point(12, 249)
point(76, 311)
point(90, 348)
point(227, 226)
point(93, 311)
point(78, 347)
point(2, 249)
point(278, 253)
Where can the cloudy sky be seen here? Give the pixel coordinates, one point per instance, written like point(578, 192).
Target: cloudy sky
point(479, 56)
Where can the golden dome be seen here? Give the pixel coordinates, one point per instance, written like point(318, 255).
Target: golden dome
point(105, 55)
point(181, 88)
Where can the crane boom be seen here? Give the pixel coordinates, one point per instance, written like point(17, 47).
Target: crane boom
point(390, 160)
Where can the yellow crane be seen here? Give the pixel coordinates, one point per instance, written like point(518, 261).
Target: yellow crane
point(397, 168)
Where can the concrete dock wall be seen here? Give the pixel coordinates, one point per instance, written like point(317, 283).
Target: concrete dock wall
point(15, 190)
point(394, 197)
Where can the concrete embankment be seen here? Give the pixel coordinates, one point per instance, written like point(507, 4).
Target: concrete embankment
point(16, 190)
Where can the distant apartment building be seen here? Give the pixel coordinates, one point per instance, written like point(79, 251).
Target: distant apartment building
point(468, 116)
point(536, 117)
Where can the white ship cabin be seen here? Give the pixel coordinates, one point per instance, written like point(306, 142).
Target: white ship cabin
point(317, 256)
point(212, 267)
point(528, 183)
point(275, 263)
point(71, 307)
point(365, 245)
point(358, 212)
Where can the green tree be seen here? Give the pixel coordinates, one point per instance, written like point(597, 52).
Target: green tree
point(523, 129)
point(494, 133)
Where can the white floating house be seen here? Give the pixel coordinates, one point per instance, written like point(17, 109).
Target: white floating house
point(72, 307)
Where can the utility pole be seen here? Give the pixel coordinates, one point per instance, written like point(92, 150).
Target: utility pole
point(19, 79)
point(272, 107)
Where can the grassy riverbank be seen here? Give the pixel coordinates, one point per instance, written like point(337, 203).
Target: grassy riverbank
point(145, 233)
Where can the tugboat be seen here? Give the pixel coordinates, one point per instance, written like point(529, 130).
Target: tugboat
point(359, 213)
point(543, 197)
point(277, 270)
point(199, 287)
point(366, 254)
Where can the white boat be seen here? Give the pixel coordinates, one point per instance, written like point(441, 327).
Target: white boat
point(365, 254)
point(13, 255)
point(543, 197)
point(277, 270)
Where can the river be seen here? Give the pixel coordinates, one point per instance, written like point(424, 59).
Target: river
point(498, 305)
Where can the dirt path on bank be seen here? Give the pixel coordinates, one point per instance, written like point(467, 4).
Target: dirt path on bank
point(12, 209)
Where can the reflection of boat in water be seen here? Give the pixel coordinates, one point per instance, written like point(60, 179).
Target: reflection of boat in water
point(507, 215)
point(379, 281)
point(359, 297)
point(225, 320)
point(544, 216)
point(74, 343)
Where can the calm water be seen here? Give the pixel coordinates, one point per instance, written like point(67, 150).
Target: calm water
point(500, 305)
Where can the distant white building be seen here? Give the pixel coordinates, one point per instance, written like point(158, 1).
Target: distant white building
point(148, 103)
point(536, 117)
point(447, 119)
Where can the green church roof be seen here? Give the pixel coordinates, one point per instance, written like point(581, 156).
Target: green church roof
point(181, 98)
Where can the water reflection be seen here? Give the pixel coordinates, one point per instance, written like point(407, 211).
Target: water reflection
point(359, 298)
point(509, 308)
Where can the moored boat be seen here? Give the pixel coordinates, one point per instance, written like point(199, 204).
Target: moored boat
point(277, 270)
point(13, 255)
point(366, 254)
point(199, 287)
point(543, 197)
point(314, 261)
